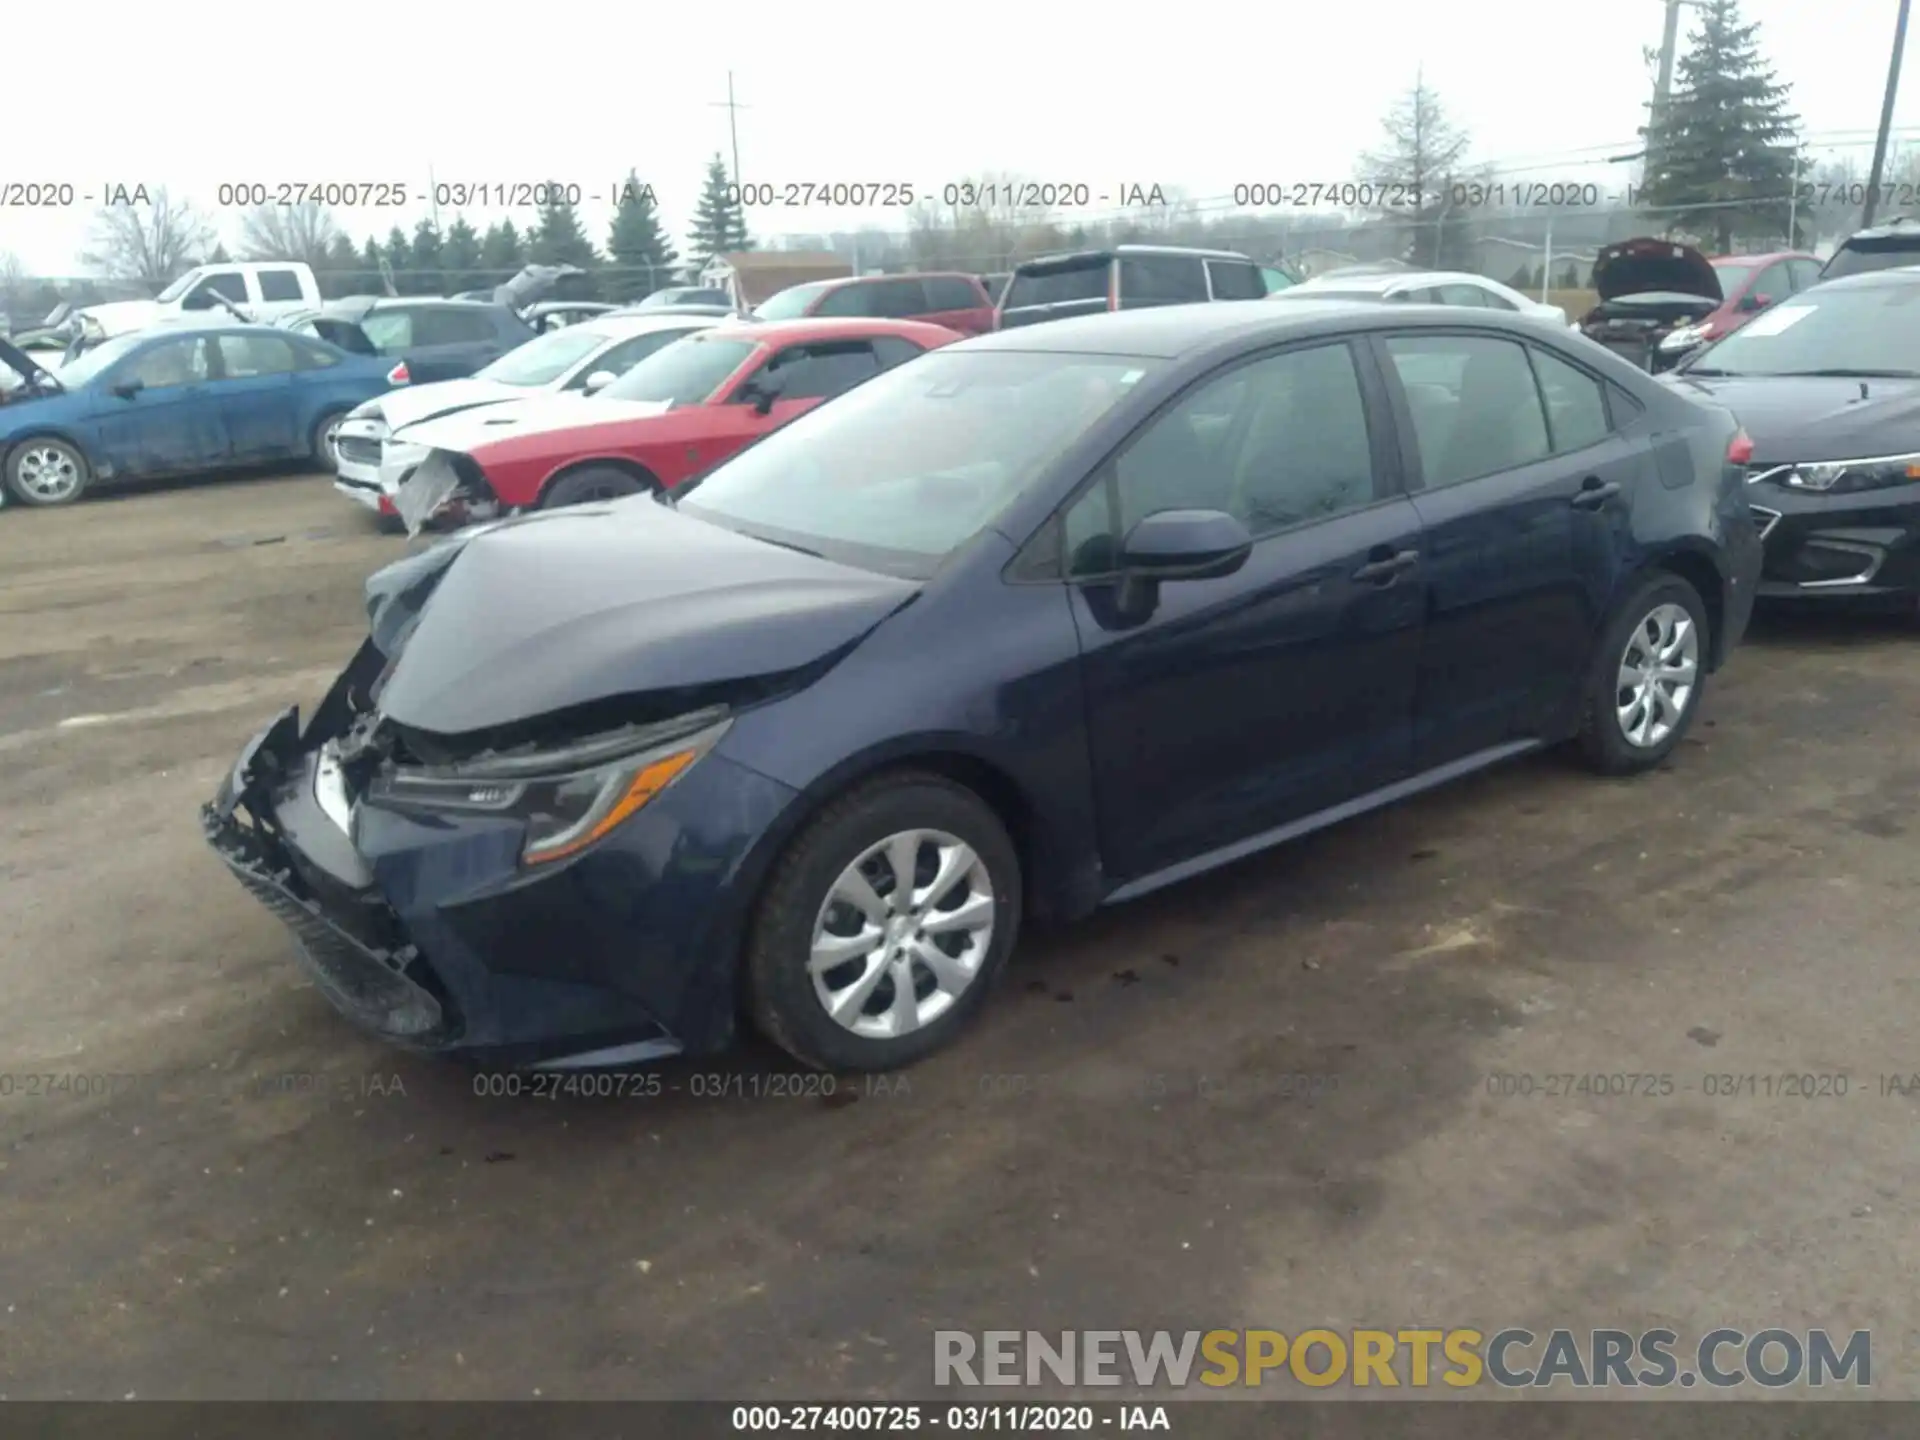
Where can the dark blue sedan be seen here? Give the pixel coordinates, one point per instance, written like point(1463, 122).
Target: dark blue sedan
point(1033, 624)
point(175, 400)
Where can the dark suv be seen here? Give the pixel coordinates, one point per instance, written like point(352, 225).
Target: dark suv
point(959, 302)
point(1884, 247)
point(1126, 277)
point(429, 338)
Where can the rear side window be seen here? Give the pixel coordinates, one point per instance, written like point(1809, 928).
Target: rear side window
point(899, 299)
point(1236, 280)
point(947, 292)
point(1475, 406)
point(1161, 280)
point(452, 327)
point(389, 330)
point(848, 300)
point(1576, 403)
point(279, 285)
point(1057, 287)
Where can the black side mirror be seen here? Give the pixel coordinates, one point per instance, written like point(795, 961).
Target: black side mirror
point(1756, 302)
point(764, 392)
point(1177, 545)
point(127, 389)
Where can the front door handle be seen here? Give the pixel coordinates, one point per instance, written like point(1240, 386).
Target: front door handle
point(1385, 566)
point(1595, 492)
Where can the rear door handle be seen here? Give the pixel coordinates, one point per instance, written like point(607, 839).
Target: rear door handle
point(1386, 566)
point(1595, 493)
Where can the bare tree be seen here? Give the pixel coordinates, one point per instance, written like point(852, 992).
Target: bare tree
point(13, 282)
point(288, 232)
point(981, 223)
point(151, 243)
point(1409, 177)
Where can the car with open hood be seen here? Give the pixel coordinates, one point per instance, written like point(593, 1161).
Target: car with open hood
point(176, 400)
point(1648, 288)
point(680, 411)
point(1827, 384)
point(578, 361)
point(1039, 622)
point(1749, 285)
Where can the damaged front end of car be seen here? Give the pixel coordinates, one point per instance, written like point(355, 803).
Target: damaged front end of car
point(446, 487)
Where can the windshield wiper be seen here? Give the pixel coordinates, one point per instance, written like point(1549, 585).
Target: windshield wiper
point(1704, 370)
point(1842, 373)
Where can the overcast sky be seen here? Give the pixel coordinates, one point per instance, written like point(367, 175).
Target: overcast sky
point(355, 92)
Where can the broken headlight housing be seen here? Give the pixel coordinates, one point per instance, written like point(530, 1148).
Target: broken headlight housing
point(1841, 476)
point(567, 797)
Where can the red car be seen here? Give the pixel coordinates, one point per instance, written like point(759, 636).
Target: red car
point(1661, 300)
point(959, 302)
point(677, 413)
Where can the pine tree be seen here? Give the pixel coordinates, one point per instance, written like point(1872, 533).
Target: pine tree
point(638, 245)
point(423, 258)
point(338, 275)
point(558, 238)
point(399, 255)
point(460, 256)
point(503, 254)
point(719, 226)
point(1727, 138)
point(368, 281)
point(219, 255)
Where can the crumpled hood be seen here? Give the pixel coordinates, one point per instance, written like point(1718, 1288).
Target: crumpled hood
point(467, 430)
point(25, 366)
point(1796, 418)
point(558, 609)
point(411, 404)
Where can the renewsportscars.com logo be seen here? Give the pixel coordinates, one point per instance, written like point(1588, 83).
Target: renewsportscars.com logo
point(1512, 1359)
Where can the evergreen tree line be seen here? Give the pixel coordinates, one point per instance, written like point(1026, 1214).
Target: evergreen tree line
point(637, 257)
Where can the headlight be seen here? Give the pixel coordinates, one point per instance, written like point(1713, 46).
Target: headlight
point(567, 798)
point(1839, 476)
point(366, 410)
point(1683, 337)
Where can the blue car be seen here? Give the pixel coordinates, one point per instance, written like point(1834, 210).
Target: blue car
point(1033, 624)
point(175, 401)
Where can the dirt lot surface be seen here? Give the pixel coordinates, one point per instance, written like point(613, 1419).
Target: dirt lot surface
point(226, 1192)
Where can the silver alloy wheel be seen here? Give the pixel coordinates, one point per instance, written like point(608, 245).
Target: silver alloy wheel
point(902, 933)
point(1658, 671)
point(330, 441)
point(48, 473)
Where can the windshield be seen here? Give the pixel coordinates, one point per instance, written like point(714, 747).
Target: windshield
point(1732, 277)
point(687, 372)
point(1858, 259)
point(546, 359)
point(178, 287)
point(791, 303)
point(1875, 331)
point(78, 371)
point(908, 466)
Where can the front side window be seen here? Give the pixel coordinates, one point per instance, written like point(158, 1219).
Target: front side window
point(1235, 280)
point(814, 372)
point(858, 300)
point(389, 331)
point(203, 296)
point(949, 292)
point(1773, 285)
point(624, 356)
point(907, 467)
point(680, 375)
point(279, 285)
point(792, 302)
point(167, 365)
point(1277, 443)
point(1476, 409)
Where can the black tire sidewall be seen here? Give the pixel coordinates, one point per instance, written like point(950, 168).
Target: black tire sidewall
point(780, 991)
point(1606, 749)
point(21, 495)
point(568, 489)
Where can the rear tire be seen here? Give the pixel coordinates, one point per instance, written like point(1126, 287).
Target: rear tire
point(1644, 686)
point(868, 956)
point(593, 482)
point(321, 443)
point(44, 472)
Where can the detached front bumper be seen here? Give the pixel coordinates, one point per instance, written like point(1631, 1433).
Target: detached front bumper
point(430, 933)
point(1859, 546)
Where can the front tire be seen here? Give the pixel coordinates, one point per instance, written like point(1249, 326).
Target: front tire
point(884, 925)
point(45, 472)
point(1644, 687)
point(592, 483)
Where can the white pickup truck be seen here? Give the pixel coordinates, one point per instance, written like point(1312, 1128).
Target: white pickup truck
point(261, 289)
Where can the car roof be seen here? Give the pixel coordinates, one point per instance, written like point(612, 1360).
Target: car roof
point(1111, 252)
point(835, 282)
point(1169, 331)
point(791, 332)
point(1384, 281)
point(1901, 227)
point(625, 323)
point(1893, 275)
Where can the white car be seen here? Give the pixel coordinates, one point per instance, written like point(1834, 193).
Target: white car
point(569, 365)
point(1425, 287)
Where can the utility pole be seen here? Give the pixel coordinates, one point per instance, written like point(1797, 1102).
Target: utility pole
point(1663, 86)
point(733, 109)
point(1886, 115)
